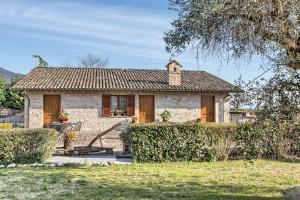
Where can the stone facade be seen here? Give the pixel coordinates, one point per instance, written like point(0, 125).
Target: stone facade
point(183, 108)
point(87, 107)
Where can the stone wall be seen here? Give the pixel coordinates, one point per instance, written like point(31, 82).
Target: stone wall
point(87, 107)
point(183, 108)
point(186, 107)
point(222, 108)
point(35, 112)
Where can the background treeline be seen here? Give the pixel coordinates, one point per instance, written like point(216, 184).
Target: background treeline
point(8, 98)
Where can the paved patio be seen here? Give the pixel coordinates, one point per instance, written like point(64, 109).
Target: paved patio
point(89, 159)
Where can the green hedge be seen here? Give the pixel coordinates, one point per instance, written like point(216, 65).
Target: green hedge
point(199, 142)
point(269, 140)
point(26, 145)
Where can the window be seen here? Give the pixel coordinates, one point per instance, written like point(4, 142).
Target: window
point(118, 105)
point(114, 103)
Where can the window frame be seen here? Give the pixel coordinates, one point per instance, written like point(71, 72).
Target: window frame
point(119, 105)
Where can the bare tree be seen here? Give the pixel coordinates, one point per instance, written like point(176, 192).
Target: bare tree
point(66, 64)
point(93, 61)
point(236, 28)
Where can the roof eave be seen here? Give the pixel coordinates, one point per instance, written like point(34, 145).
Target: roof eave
point(119, 90)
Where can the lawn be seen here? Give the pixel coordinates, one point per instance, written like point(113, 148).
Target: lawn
point(217, 180)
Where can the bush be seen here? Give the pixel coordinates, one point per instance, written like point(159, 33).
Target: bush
point(209, 142)
point(178, 142)
point(26, 145)
point(6, 126)
point(166, 115)
point(269, 140)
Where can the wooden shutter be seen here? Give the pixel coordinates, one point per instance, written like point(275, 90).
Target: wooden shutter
point(106, 107)
point(130, 105)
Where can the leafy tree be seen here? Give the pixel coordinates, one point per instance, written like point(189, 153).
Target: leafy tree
point(9, 98)
point(14, 99)
point(277, 98)
point(3, 86)
point(93, 61)
point(239, 98)
point(237, 28)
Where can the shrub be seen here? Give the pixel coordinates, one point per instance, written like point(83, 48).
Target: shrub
point(6, 126)
point(220, 138)
point(209, 142)
point(269, 140)
point(166, 115)
point(26, 145)
point(71, 136)
point(179, 142)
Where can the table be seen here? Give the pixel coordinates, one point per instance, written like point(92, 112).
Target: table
point(63, 127)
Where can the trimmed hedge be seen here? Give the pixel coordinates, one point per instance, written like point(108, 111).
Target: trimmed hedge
point(269, 140)
point(208, 142)
point(26, 145)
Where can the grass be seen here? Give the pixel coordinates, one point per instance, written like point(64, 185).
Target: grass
point(218, 180)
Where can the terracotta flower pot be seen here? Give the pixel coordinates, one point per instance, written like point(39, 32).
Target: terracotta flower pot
point(69, 147)
point(63, 120)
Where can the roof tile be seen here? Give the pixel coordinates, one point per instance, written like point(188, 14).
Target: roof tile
point(108, 79)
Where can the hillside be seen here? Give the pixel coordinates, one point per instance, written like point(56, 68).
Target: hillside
point(8, 75)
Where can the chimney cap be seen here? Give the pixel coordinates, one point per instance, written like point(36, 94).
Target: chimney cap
point(173, 61)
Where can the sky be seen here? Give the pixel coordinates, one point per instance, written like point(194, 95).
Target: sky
point(127, 32)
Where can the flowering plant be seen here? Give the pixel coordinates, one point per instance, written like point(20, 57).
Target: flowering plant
point(63, 114)
point(71, 136)
point(119, 112)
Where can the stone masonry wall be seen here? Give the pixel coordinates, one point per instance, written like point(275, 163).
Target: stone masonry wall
point(35, 111)
point(87, 107)
point(186, 107)
point(183, 108)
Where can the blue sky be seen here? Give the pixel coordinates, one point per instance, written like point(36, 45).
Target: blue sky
point(127, 32)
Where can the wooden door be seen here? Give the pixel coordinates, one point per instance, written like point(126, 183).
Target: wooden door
point(207, 109)
point(146, 113)
point(51, 109)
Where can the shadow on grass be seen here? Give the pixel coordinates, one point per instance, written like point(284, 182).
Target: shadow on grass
point(52, 185)
point(290, 160)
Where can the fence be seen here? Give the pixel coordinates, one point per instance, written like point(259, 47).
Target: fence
point(15, 117)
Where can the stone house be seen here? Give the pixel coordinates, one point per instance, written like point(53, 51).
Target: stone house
point(101, 97)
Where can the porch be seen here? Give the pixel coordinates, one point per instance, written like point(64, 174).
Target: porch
point(86, 143)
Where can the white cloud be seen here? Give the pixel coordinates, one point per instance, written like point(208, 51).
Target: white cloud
point(107, 30)
point(100, 26)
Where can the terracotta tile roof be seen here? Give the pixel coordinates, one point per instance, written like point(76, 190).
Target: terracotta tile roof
point(105, 79)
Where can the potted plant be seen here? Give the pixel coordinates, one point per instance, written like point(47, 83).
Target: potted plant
point(63, 116)
point(166, 115)
point(118, 112)
point(70, 138)
point(124, 113)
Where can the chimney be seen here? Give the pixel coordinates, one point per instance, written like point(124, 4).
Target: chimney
point(174, 73)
